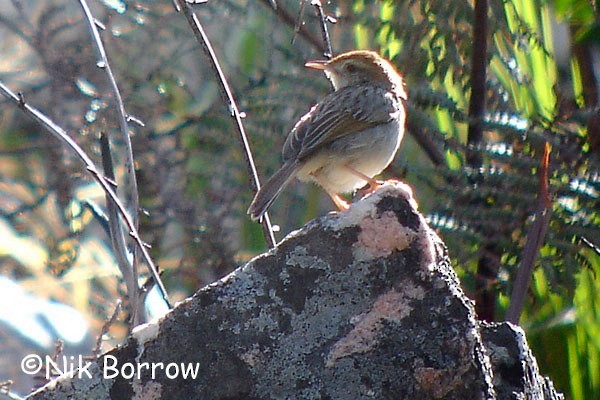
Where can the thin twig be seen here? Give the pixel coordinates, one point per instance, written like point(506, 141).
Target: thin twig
point(123, 117)
point(98, 214)
point(105, 328)
point(591, 245)
point(133, 196)
point(232, 107)
point(5, 389)
point(299, 20)
point(286, 17)
point(107, 186)
point(118, 238)
point(328, 53)
point(535, 240)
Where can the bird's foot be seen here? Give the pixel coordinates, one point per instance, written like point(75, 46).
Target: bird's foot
point(340, 203)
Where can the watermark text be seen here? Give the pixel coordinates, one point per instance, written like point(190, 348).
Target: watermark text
point(79, 367)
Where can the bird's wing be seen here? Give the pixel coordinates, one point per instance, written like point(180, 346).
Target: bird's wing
point(344, 112)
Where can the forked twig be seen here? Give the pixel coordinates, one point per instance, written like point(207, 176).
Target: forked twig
point(299, 25)
point(127, 266)
point(123, 117)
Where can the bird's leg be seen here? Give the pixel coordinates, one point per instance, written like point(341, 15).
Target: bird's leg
point(373, 184)
point(340, 203)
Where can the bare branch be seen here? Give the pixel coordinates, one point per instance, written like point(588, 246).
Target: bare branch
point(128, 266)
point(591, 245)
point(478, 83)
point(232, 107)
point(105, 328)
point(107, 186)
point(328, 53)
point(535, 240)
point(489, 261)
point(286, 17)
point(118, 238)
point(123, 118)
point(299, 20)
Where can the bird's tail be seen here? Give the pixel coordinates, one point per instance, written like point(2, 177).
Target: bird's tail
point(271, 189)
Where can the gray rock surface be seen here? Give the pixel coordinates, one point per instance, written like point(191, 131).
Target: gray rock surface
point(516, 374)
point(361, 304)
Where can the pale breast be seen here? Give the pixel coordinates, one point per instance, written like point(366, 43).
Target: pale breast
point(368, 152)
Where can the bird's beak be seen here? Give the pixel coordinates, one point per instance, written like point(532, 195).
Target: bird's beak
point(317, 64)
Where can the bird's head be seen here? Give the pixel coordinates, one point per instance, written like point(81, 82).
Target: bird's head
point(358, 67)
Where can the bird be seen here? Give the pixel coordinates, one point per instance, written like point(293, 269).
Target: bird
point(348, 137)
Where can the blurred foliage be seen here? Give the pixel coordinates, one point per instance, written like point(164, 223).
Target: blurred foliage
point(193, 185)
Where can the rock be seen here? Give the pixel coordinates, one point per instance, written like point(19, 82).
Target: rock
point(516, 374)
point(361, 304)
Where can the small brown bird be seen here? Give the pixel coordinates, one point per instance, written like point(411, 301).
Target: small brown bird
point(348, 137)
